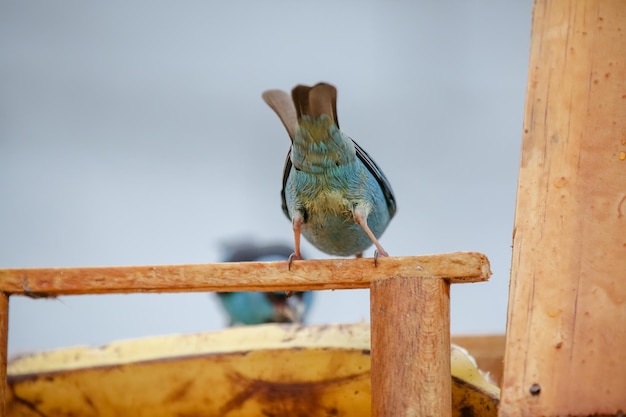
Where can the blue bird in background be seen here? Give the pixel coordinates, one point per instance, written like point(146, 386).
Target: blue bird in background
point(264, 307)
point(333, 192)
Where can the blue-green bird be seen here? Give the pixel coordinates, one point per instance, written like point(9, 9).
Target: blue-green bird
point(333, 192)
point(263, 307)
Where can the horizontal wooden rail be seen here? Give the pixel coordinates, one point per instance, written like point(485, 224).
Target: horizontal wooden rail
point(456, 267)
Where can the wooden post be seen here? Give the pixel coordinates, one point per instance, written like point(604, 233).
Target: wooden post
point(4, 332)
point(566, 331)
point(410, 321)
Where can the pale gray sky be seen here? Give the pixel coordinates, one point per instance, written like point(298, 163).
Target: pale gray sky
point(134, 133)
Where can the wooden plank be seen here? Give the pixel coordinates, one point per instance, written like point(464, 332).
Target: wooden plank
point(245, 276)
point(410, 322)
point(566, 327)
point(4, 332)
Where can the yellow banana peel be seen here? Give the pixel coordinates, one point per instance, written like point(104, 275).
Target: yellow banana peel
point(267, 370)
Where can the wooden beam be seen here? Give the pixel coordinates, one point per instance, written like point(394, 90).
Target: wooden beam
point(410, 321)
point(566, 331)
point(244, 276)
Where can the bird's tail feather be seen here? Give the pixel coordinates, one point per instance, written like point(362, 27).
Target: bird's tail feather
point(315, 101)
point(281, 103)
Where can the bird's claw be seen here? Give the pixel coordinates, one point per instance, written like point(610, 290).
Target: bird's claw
point(293, 257)
point(378, 253)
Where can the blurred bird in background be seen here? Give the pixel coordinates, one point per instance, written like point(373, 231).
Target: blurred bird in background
point(333, 192)
point(263, 307)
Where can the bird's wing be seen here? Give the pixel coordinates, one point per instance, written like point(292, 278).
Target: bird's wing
point(380, 178)
point(286, 171)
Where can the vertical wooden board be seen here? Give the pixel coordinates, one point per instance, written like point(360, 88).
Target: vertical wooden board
point(566, 328)
point(410, 325)
point(4, 332)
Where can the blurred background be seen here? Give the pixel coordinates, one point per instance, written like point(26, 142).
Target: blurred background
point(134, 133)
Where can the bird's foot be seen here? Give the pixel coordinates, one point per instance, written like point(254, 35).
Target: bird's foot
point(293, 257)
point(378, 253)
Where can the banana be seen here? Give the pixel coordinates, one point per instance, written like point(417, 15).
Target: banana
point(266, 370)
point(472, 389)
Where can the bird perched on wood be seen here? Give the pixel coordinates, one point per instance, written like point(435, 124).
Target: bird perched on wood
point(263, 307)
point(333, 192)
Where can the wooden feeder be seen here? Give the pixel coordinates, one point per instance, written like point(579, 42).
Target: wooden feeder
point(566, 332)
point(419, 329)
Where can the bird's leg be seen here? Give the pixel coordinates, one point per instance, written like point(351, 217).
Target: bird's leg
point(297, 221)
point(360, 217)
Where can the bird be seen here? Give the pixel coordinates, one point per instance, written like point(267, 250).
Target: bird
point(333, 192)
point(249, 308)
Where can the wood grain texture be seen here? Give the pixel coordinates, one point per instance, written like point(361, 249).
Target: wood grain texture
point(410, 322)
point(566, 332)
point(4, 331)
point(244, 276)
